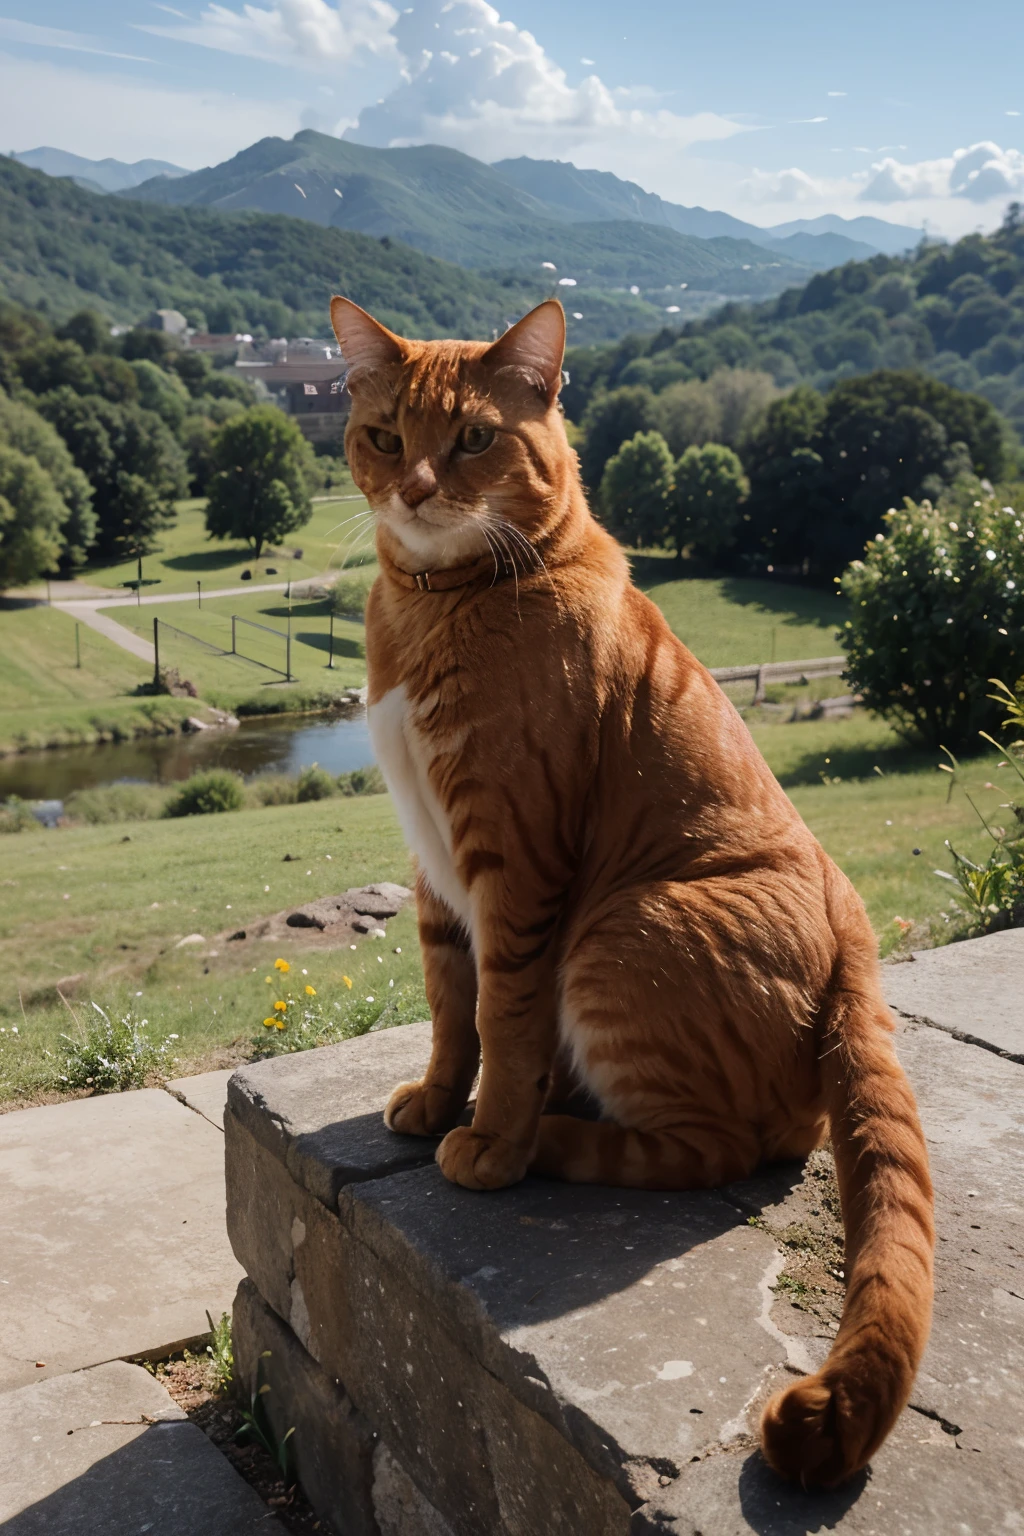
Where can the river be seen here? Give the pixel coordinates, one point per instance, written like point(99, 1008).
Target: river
point(270, 745)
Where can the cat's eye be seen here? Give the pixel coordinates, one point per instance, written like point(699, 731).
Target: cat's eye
point(475, 439)
point(384, 441)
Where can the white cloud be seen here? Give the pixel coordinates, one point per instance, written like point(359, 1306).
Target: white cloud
point(12, 31)
point(795, 120)
point(482, 85)
point(310, 34)
point(97, 114)
point(836, 93)
point(981, 173)
point(791, 186)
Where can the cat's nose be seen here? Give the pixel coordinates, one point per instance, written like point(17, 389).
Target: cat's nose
point(418, 484)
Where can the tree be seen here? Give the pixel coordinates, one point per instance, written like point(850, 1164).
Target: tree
point(24, 429)
point(636, 487)
point(824, 470)
point(135, 467)
point(710, 489)
point(936, 612)
point(259, 488)
point(31, 515)
point(608, 422)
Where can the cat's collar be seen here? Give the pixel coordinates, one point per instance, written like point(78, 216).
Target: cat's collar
point(496, 566)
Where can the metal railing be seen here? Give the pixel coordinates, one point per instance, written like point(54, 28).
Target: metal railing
point(285, 635)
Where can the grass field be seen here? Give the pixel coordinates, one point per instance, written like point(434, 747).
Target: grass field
point(185, 554)
point(727, 621)
point(81, 902)
point(45, 698)
point(257, 670)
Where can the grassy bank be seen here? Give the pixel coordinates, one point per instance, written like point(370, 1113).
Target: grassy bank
point(82, 903)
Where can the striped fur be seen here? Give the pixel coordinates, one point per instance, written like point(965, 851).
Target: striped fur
point(614, 892)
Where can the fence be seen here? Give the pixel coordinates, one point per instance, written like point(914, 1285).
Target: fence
point(285, 635)
point(761, 674)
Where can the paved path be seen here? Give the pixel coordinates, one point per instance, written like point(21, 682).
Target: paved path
point(106, 1451)
point(111, 1227)
point(87, 610)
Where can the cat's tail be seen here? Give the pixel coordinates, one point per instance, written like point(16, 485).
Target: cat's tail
point(826, 1427)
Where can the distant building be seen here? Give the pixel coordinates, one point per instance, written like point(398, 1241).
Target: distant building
point(311, 388)
point(171, 321)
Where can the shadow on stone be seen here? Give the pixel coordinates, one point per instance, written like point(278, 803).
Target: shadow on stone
point(772, 1507)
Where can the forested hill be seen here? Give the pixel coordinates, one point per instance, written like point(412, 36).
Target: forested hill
point(63, 249)
point(955, 312)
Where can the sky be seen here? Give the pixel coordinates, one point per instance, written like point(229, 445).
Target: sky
point(904, 111)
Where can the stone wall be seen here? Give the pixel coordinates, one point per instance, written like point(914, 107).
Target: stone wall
point(557, 1359)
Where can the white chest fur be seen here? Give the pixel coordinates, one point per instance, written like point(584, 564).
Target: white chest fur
point(404, 758)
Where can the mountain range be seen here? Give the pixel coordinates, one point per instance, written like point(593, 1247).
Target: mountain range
point(589, 230)
point(96, 175)
point(453, 206)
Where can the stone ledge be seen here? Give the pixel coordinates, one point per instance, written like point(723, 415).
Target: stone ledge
point(326, 1125)
point(567, 1359)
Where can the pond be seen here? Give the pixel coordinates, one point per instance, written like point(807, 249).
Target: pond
point(275, 745)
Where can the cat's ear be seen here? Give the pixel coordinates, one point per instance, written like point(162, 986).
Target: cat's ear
point(535, 345)
point(365, 343)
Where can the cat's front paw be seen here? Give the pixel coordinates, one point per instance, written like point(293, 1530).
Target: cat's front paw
point(420, 1109)
point(479, 1161)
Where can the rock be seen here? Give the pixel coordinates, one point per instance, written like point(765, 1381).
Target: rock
point(190, 938)
point(50, 813)
point(290, 858)
point(368, 925)
point(973, 990)
point(240, 933)
point(108, 1450)
point(383, 900)
point(193, 724)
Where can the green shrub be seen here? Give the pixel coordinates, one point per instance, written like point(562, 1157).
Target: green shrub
point(347, 598)
point(937, 609)
point(362, 781)
point(272, 789)
point(116, 802)
point(206, 793)
point(16, 816)
point(108, 1056)
point(315, 783)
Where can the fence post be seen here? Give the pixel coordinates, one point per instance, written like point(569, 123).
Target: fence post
point(199, 592)
point(233, 651)
point(288, 652)
point(759, 689)
point(78, 648)
point(330, 658)
point(156, 652)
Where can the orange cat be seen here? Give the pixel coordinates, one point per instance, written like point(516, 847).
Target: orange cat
point(613, 889)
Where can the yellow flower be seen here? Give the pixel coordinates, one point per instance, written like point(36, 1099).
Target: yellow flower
point(280, 1006)
point(280, 1023)
point(311, 991)
point(269, 1022)
point(282, 966)
point(348, 982)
